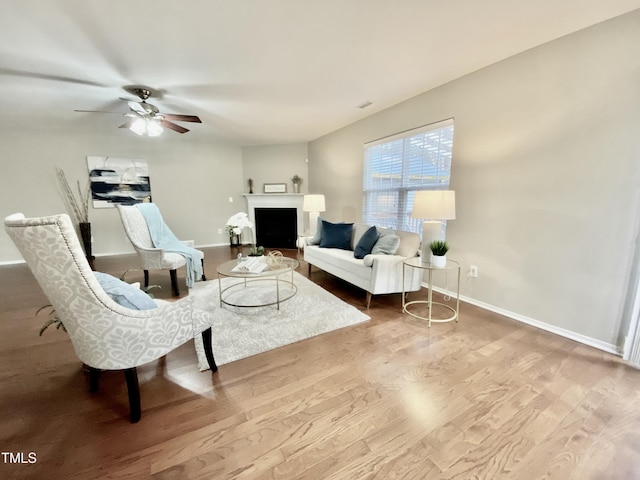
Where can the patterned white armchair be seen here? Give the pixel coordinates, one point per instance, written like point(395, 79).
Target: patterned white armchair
point(105, 334)
point(151, 258)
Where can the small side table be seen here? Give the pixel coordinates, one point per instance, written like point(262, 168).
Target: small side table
point(416, 262)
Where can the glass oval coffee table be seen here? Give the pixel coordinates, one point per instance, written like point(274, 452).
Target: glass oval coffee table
point(279, 274)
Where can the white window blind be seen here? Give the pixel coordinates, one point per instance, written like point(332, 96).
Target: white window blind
point(396, 167)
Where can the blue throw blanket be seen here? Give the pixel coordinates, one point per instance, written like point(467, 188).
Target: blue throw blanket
point(163, 237)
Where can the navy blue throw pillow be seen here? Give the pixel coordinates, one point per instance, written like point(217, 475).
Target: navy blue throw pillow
point(336, 235)
point(366, 243)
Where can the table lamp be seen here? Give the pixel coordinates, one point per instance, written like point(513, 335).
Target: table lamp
point(314, 204)
point(434, 206)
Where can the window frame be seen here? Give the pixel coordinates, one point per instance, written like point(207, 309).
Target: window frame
point(413, 160)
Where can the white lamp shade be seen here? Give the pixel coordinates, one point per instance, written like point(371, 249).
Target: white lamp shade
point(313, 203)
point(435, 205)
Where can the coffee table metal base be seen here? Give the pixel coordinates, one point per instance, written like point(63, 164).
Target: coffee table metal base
point(279, 298)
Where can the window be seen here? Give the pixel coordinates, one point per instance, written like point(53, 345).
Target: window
point(396, 167)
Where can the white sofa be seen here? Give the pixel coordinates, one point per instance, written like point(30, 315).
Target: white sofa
point(377, 273)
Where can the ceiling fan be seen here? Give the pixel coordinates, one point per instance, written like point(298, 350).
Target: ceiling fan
point(145, 118)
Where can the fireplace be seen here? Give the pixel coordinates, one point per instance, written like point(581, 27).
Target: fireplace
point(283, 221)
point(276, 227)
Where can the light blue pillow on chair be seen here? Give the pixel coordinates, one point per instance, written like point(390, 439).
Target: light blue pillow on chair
point(125, 294)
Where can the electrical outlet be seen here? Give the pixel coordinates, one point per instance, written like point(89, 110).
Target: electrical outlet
point(473, 271)
point(219, 231)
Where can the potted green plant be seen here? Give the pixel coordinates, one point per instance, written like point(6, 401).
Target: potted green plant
point(52, 320)
point(296, 180)
point(439, 249)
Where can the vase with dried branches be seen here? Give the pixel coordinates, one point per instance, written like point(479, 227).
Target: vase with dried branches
point(79, 208)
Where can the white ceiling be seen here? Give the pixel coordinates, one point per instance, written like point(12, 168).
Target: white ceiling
point(258, 71)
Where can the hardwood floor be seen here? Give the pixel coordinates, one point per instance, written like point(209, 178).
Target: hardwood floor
point(487, 398)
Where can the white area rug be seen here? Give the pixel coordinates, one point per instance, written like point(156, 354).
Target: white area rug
point(243, 332)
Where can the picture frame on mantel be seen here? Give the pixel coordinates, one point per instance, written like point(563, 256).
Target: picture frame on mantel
point(275, 188)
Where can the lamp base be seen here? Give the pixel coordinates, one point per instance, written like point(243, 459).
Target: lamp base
point(313, 222)
point(431, 230)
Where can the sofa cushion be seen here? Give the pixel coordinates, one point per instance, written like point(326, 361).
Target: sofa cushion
point(336, 235)
point(386, 244)
point(366, 243)
point(409, 243)
point(318, 235)
point(125, 294)
point(340, 263)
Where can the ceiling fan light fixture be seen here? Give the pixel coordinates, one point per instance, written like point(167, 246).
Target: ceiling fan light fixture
point(153, 128)
point(138, 126)
point(148, 126)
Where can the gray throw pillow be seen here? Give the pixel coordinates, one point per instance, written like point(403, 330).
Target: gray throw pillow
point(318, 235)
point(386, 244)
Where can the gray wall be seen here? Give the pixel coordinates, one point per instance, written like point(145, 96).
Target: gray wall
point(275, 164)
point(546, 172)
point(191, 182)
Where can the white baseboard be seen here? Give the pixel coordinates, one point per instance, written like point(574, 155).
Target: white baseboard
point(592, 342)
point(11, 262)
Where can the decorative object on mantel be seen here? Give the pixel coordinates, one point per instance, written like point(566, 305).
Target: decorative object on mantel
point(296, 180)
point(275, 188)
point(234, 227)
point(79, 207)
point(314, 204)
point(439, 249)
point(433, 206)
point(250, 185)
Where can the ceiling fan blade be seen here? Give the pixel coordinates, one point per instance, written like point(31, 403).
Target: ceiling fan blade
point(173, 126)
point(181, 118)
point(136, 107)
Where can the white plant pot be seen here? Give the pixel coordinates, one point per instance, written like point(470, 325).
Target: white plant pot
point(438, 261)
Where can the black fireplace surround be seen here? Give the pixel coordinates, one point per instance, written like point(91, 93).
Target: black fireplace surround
point(276, 227)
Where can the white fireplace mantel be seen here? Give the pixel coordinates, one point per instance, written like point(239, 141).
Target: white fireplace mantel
point(276, 200)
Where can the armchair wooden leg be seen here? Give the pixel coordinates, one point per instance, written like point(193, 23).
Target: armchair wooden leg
point(131, 375)
point(94, 377)
point(368, 299)
point(174, 282)
point(204, 279)
point(208, 351)
point(146, 278)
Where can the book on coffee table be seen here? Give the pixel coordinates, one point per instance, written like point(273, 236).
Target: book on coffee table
point(251, 265)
